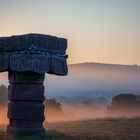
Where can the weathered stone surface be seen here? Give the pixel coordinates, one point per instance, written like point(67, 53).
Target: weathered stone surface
point(21, 78)
point(27, 58)
point(26, 124)
point(45, 43)
point(28, 111)
point(59, 66)
point(26, 63)
point(25, 106)
point(4, 62)
point(25, 130)
point(33, 52)
point(26, 92)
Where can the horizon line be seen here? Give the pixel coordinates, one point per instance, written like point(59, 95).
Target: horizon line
point(106, 63)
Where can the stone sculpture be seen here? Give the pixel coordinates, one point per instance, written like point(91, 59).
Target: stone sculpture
point(27, 58)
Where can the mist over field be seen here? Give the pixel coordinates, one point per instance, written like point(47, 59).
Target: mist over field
point(90, 81)
point(87, 91)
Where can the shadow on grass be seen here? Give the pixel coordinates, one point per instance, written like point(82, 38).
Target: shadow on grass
point(50, 135)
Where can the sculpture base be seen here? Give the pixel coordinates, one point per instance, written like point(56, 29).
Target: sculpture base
point(25, 106)
point(24, 131)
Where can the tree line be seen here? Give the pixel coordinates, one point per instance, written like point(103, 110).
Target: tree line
point(122, 104)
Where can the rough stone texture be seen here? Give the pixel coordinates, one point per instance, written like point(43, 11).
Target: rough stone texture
point(34, 52)
point(27, 58)
point(25, 107)
point(45, 43)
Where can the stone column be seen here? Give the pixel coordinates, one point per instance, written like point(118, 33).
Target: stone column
point(25, 107)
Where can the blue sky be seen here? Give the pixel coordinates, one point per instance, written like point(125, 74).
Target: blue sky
point(97, 30)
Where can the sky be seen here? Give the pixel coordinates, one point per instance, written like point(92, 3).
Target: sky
point(105, 31)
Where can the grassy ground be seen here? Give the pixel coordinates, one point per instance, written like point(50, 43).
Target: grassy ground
point(105, 129)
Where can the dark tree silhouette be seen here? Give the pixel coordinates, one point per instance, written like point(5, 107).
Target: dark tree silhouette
point(124, 105)
point(124, 99)
point(53, 104)
point(53, 109)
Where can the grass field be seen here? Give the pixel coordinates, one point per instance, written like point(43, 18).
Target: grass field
point(103, 129)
